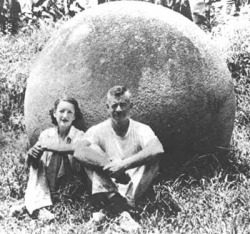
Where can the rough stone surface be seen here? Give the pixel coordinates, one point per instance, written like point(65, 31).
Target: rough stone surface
point(181, 85)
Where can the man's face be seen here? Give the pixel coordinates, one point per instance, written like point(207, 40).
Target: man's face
point(119, 108)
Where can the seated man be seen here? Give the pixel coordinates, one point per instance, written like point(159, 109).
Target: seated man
point(122, 160)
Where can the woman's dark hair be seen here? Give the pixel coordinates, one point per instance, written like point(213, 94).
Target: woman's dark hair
point(78, 113)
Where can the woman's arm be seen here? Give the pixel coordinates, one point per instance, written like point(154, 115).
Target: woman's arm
point(58, 147)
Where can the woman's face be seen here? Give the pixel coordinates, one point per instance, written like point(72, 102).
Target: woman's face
point(64, 114)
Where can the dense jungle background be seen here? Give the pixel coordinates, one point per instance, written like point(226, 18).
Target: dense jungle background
point(213, 191)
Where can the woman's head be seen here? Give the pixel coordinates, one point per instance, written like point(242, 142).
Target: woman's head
point(65, 112)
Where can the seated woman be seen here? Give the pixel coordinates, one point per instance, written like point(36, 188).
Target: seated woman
point(51, 158)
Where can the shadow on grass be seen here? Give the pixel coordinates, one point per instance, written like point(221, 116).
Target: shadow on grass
point(163, 198)
point(224, 162)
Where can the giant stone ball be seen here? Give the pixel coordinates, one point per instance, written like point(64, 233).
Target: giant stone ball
point(180, 83)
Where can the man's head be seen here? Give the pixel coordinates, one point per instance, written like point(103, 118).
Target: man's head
point(119, 103)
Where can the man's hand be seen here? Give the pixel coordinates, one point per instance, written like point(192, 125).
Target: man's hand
point(34, 155)
point(115, 168)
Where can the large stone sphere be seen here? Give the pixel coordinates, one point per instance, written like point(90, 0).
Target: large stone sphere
point(180, 83)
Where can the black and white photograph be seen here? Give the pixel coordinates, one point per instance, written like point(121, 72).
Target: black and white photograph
point(124, 116)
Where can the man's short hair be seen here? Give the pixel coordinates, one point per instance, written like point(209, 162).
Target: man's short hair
point(118, 91)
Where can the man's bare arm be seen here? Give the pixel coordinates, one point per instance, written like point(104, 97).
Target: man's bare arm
point(151, 152)
point(91, 156)
point(83, 151)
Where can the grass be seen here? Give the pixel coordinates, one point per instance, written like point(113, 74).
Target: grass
point(209, 205)
point(216, 200)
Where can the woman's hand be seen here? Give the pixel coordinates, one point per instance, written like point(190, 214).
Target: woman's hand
point(34, 155)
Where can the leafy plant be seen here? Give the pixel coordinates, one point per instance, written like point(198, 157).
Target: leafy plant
point(17, 54)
